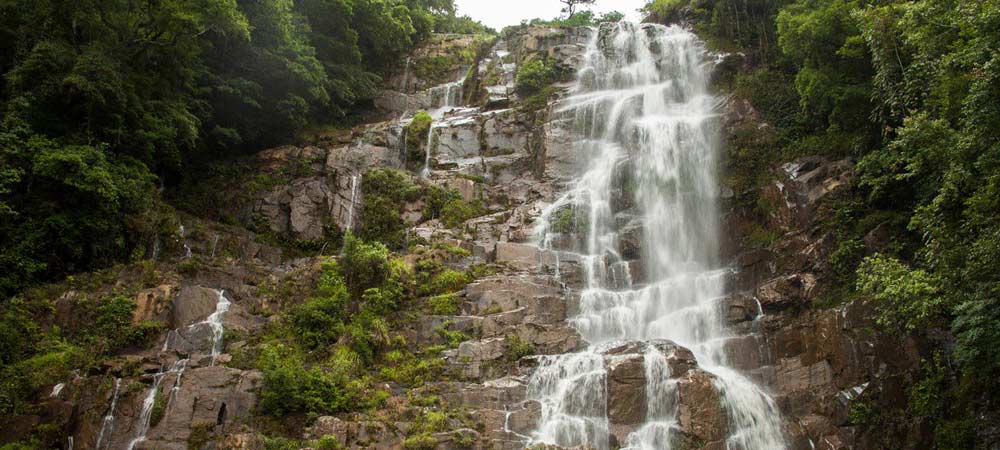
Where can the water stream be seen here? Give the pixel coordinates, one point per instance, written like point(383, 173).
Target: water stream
point(108, 424)
point(649, 136)
point(215, 324)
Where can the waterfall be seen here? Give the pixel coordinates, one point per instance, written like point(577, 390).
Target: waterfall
point(214, 321)
point(108, 424)
point(149, 401)
point(426, 173)
point(187, 248)
point(643, 109)
point(215, 243)
point(57, 389)
point(354, 195)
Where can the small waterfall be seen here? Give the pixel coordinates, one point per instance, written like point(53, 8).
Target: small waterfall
point(406, 75)
point(215, 243)
point(215, 322)
point(447, 95)
point(69, 443)
point(57, 389)
point(426, 172)
point(187, 248)
point(642, 105)
point(156, 248)
point(355, 179)
point(149, 401)
point(108, 425)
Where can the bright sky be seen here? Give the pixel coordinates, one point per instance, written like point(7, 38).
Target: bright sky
point(500, 13)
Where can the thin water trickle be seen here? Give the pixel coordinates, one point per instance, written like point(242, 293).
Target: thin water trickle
point(355, 179)
point(643, 109)
point(146, 414)
point(215, 322)
point(108, 424)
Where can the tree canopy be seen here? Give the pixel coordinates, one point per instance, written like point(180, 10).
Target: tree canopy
point(104, 100)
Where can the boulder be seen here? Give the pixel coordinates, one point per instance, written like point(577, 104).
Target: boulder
point(193, 304)
point(783, 292)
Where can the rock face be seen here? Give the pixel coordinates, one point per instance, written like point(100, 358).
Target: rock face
point(815, 356)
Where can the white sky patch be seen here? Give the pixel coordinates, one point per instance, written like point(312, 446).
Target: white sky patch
point(501, 13)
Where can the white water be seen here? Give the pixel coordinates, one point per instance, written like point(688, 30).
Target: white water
point(215, 322)
point(426, 172)
point(150, 400)
point(57, 389)
point(642, 105)
point(108, 425)
point(354, 197)
point(187, 248)
point(443, 99)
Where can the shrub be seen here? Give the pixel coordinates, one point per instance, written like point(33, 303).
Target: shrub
point(906, 299)
point(364, 266)
point(416, 137)
point(533, 76)
point(386, 192)
point(445, 305)
point(456, 212)
point(422, 441)
point(159, 408)
point(291, 387)
point(448, 281)
point(517, 348)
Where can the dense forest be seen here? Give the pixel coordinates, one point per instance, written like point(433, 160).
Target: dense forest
point(909, 90)
point(106, 104)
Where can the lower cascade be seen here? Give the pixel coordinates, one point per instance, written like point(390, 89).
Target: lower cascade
point(649, 138)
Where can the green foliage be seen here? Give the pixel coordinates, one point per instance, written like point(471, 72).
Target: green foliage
point(386, 193)
point(364, 266)
point(292, 387)
point(98, 96)
point(327, 442)
point(452, 338)
point(907, 299)
point(201, 435)
point(445, 305)
point(416, 138)
point(910, 89)
point(30, 377)
point(159, 408)
point(517, 348)
point(423, 441)
point(534, 76)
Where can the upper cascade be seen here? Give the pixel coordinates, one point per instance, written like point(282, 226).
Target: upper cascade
point(648, 131)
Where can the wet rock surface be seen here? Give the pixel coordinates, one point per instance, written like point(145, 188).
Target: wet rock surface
point(815, 360)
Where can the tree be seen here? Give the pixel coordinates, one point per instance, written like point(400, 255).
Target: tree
point(571, 6)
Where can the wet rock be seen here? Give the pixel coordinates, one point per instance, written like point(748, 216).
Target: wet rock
point(193, 304)
point(699, 411)
point(787, 291)
point(627, 390)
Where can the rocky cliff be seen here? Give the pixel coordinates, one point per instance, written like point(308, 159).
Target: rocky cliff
point(814, 353)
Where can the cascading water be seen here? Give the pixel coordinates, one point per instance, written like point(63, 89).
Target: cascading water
point(355, 181)
point(215, 322)
point(649, 135)
point(149, 401)
point(108, 424)
point(426, 172)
